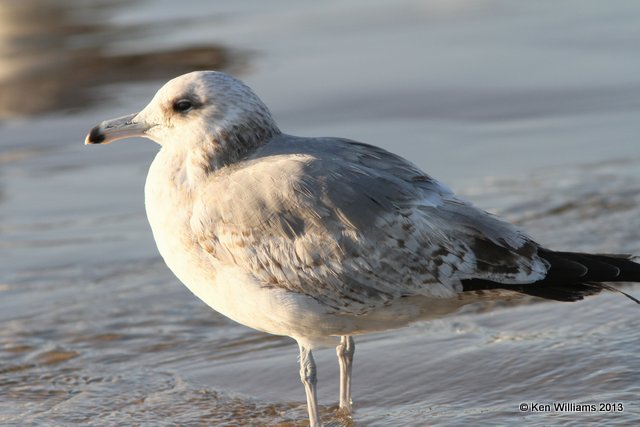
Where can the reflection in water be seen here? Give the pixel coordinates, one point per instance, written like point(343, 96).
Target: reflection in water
point(53, 51)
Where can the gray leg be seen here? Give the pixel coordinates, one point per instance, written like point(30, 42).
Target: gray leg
point(345, 351)
point(309, 379)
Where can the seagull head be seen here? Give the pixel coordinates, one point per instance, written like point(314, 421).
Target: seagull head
point(202, 109)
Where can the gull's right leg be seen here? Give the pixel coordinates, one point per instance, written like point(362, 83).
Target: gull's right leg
point(309, 379)
point(345, 351)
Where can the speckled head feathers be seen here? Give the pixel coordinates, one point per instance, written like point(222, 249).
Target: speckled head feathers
point(203, 111)
point(207, 105)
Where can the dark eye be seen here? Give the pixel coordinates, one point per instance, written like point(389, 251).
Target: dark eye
point(182, 105)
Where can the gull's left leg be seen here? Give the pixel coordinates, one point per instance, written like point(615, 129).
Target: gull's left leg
point(345, 351)
point(309, 379)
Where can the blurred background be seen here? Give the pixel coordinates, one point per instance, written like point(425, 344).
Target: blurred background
point(529, 109)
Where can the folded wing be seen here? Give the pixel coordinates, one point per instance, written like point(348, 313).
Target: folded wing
point(354, 226)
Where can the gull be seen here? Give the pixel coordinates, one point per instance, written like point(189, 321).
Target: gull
point(321, 239)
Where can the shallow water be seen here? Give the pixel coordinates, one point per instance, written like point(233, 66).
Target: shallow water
point(528, 109)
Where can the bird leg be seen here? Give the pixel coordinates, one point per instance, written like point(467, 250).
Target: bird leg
point(345, 351)
point(309, 379)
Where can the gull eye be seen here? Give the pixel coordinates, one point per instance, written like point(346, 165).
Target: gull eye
point(182, 105)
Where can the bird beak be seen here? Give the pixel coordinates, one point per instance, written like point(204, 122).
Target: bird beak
point(111, 130)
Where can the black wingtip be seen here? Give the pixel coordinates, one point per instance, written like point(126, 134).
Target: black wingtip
point(572, 276)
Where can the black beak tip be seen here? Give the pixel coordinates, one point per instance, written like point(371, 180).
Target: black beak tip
point(95, 136)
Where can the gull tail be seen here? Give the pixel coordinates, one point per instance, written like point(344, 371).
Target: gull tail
point(572, 276)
